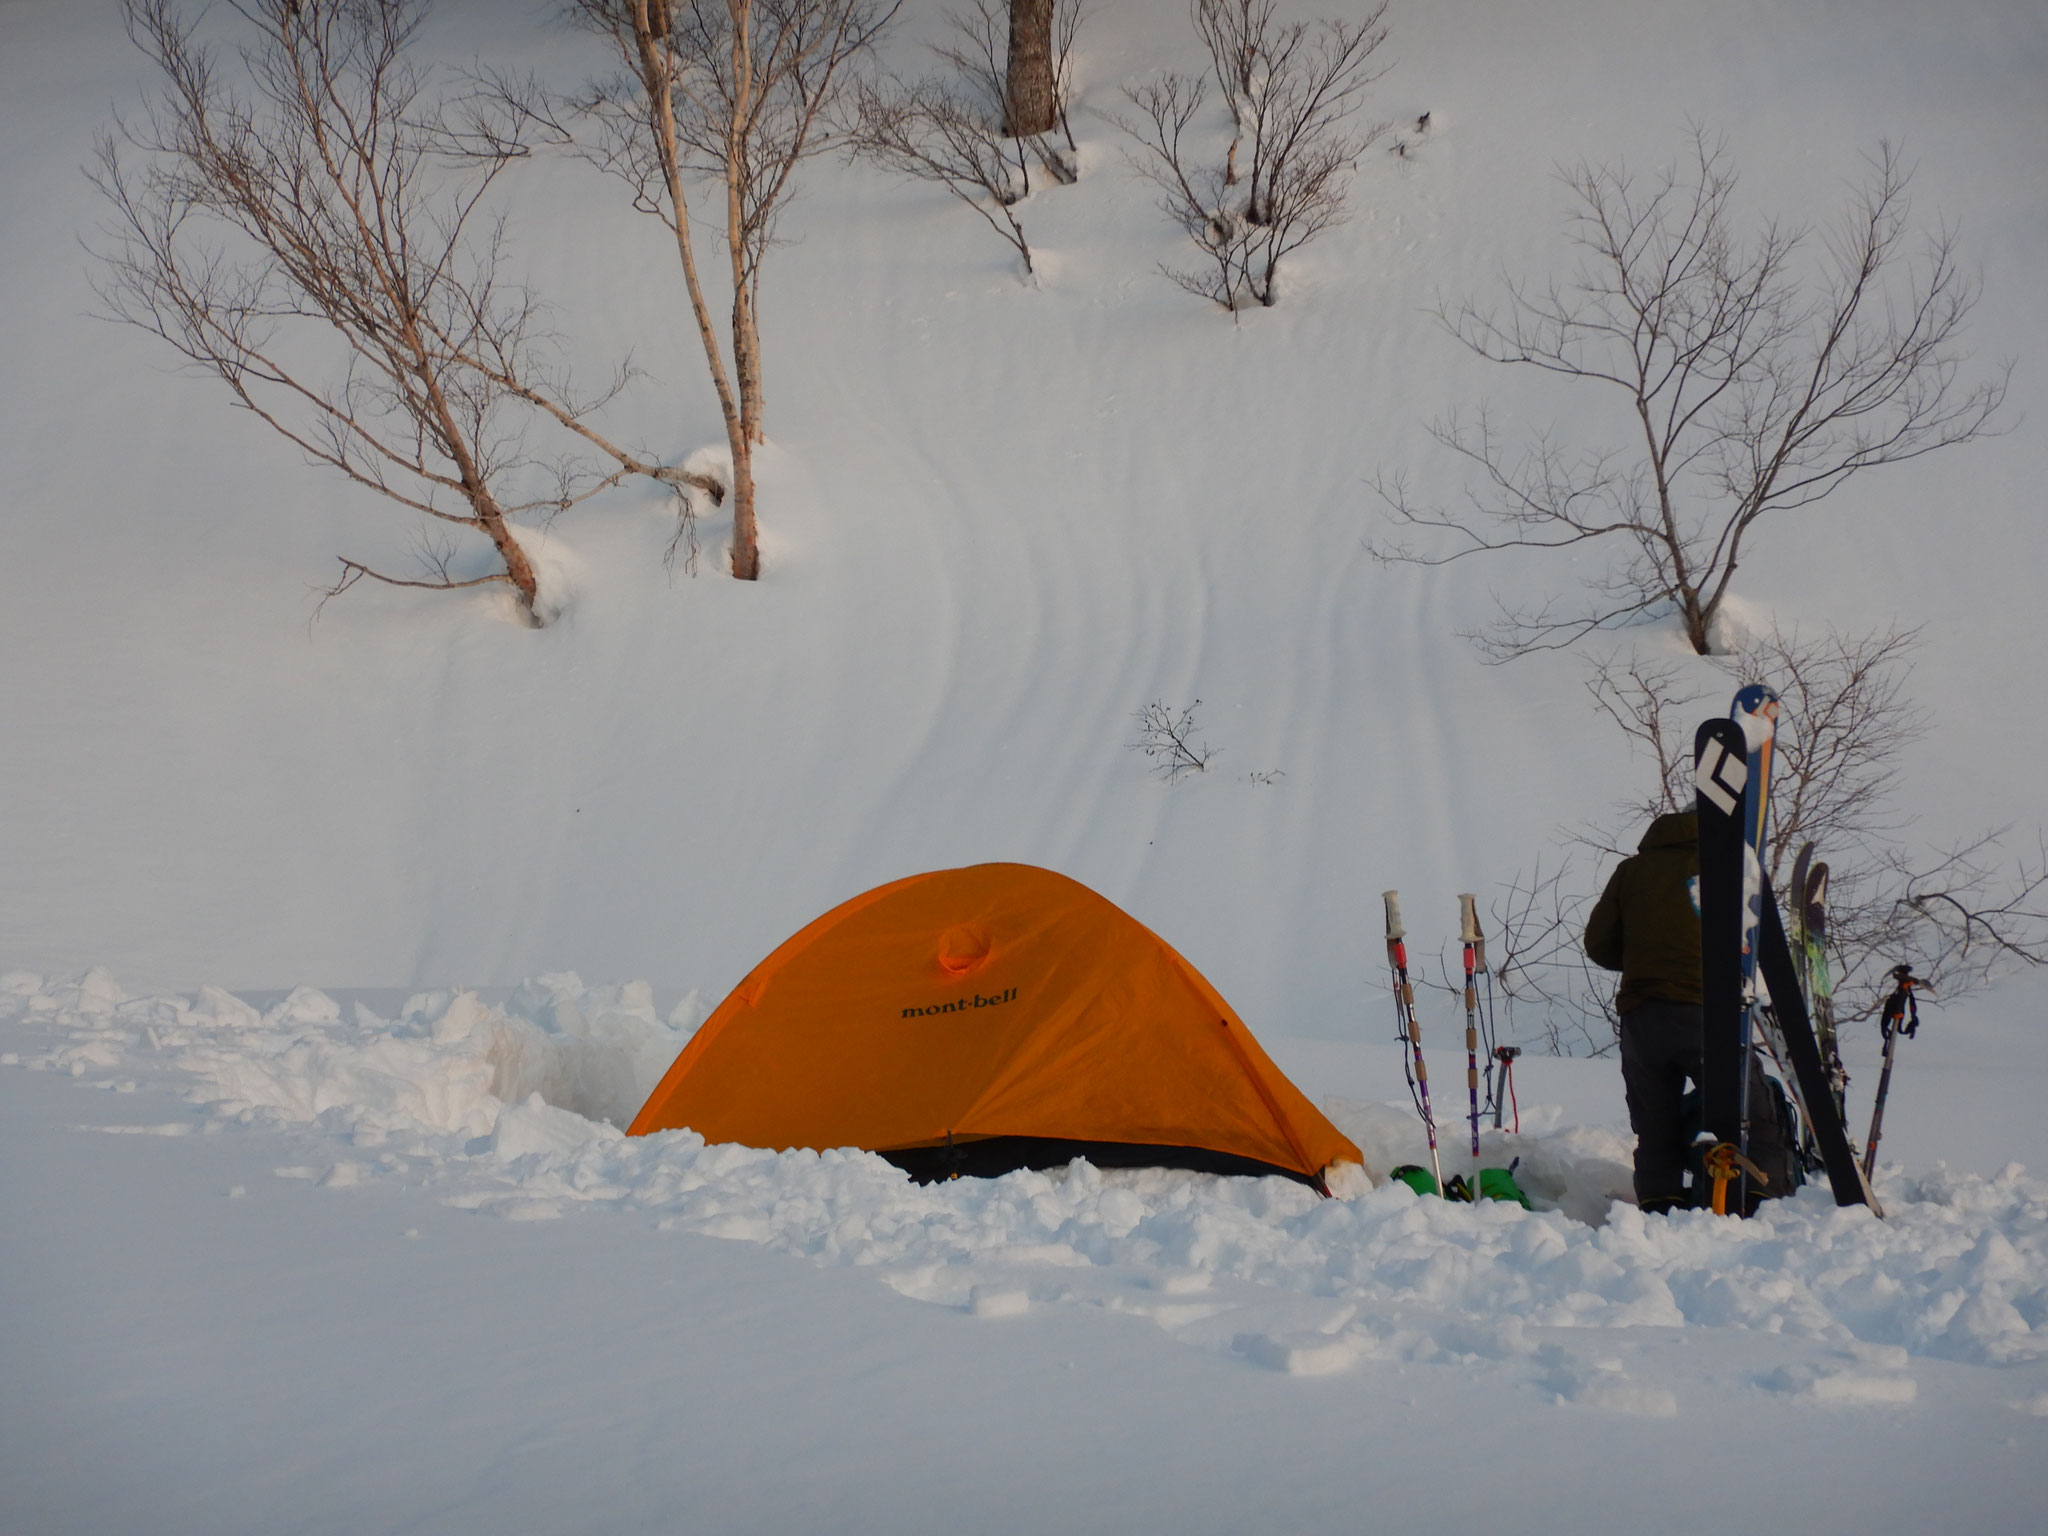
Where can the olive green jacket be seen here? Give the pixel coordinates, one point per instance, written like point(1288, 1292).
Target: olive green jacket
point(1645, 924)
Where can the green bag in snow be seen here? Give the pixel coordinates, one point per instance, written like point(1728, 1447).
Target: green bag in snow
point(1494, 1184)
point(1499, 1184)
point(1416, 1177)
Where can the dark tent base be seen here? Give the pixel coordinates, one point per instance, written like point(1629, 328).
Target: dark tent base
point(993, 1156)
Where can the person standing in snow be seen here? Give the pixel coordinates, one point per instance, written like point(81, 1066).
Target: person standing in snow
point(1647, 927)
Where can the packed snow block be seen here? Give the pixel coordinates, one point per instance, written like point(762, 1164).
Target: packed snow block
point(1603, 1384)
point(227, 1010)
point(1299, 1354)
point(98, 993)
point(998, 1301)
point(537, 1126)
point(972, 1022)
point(1873, 1376)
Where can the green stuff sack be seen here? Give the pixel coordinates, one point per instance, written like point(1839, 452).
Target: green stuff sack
point(1416, 1177)
point(1499, 1184)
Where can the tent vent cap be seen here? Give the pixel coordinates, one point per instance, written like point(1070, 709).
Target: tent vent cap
point(962, 948)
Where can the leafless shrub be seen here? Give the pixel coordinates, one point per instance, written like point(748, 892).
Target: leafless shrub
point(1169, 738)
point(738, 93)
point(305, 220)
point(926, 131)
point(1295, 92)
point(1756, 383)
point(953, 130)
point(1548, 989)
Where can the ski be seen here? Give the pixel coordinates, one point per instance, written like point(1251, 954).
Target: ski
point(1801, 872)
point(1802, 866)
point(1720, 777)
point(1794, 1042)
point(1820, 993)
point(1756, 710)
point(1410, 1031)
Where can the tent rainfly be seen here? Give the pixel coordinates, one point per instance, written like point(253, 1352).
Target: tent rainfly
point(973, 1021)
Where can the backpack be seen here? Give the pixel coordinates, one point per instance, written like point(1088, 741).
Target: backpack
point(1773, 1142)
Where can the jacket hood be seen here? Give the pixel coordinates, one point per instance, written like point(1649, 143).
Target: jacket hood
point(1672, 830)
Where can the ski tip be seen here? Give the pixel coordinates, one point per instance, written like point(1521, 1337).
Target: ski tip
point(1754, 699)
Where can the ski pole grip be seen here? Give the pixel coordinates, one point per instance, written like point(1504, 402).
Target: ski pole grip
point(1468, 918)
point(1394, 928)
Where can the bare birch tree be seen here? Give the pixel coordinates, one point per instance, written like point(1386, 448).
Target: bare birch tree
point(738, 93)
point(1750, 382)
point(302, 220)
point(1294, 92)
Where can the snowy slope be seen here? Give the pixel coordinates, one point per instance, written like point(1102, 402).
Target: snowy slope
point(999, 522)
point(999, 519)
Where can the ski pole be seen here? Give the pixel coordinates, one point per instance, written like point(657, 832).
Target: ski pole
point(1901, 1017)
point(1468, 935)
point(1411, 1032)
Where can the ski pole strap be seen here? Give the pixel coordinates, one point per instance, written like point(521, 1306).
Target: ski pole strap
point(1902, 1008)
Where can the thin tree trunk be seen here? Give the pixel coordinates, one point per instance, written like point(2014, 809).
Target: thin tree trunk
point(654, 71)
point(746, 353)
point(489, 515)
point(1029, 106)
point(517, 566)
point(746, 545)
point(746, 340)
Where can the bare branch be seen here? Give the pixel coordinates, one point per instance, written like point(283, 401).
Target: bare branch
point(1540, 966)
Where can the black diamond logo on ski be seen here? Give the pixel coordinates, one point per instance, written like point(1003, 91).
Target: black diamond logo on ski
point(1721, 776)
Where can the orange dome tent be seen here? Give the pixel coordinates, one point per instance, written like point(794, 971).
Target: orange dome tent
point(983, 1019)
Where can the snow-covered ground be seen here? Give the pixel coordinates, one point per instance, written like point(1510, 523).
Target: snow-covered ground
point(375, 1258)
point(314, 1269)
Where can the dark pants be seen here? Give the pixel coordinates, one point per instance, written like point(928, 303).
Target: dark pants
point(1660, 1051)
